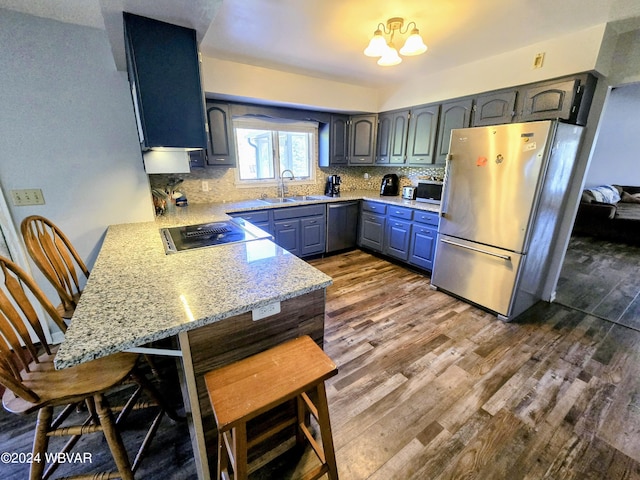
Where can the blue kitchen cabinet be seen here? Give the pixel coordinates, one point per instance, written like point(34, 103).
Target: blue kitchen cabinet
point(287, 235)
point(372, 225)
point(313, 232)
point(259, 218)
point(423, 239)
point(301, 230)
point(398, 232)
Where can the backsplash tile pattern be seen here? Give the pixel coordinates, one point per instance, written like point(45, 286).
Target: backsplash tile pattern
point(222, 182)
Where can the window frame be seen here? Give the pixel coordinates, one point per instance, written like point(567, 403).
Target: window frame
point(274, 126)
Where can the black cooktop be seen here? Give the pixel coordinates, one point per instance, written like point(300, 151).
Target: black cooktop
point(177, 239)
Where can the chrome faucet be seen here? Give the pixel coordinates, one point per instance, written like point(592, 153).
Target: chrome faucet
point(283, 189)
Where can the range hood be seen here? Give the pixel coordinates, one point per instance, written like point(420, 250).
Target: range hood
point(164, 74)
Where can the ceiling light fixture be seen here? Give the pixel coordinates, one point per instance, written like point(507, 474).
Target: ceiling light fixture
point(380, 47)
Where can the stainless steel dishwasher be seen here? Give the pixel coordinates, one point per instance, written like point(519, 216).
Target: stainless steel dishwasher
point(342, 225)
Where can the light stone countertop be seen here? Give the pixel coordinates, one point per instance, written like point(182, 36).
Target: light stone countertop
point(137, 294)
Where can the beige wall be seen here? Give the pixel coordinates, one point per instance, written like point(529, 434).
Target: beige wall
point(572, 53)
point(263, 85)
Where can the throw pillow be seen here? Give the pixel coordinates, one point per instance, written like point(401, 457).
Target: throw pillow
point(629, 198)
point(605, 194)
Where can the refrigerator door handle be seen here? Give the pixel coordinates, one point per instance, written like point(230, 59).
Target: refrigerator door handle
point(503, 257)
point(445, 194)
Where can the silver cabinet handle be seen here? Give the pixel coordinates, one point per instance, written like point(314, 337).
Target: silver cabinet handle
point(479, 250)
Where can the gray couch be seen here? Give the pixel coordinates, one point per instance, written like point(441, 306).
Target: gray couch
point(617, 221)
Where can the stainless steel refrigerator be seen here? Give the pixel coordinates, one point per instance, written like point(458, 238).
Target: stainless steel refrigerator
point(504, 196)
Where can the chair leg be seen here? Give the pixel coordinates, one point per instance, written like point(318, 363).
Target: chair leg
point(240, 467)
point(41, 442)
point(325, 432)
point(152, 391)
point(113, 438)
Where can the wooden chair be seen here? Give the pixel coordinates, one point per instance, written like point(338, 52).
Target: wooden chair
point(58, 260)
point(32, 384)
point(245, 389)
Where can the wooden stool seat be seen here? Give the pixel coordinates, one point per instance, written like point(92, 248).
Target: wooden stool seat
point(245, 389)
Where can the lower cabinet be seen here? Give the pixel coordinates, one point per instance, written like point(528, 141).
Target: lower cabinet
point(398, 232)
point(423, 239)
point(259, 218)
point(313, 231)
point(372, 225)
point(405, 234)
point(287, 235)
point(300, 230)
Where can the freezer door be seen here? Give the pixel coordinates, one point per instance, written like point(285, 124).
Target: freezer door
point(483, 275)
point(492, 181)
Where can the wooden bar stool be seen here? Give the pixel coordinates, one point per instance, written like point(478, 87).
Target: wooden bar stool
point(245, 389)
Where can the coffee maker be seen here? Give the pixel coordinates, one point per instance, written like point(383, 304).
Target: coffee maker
point(333, 186)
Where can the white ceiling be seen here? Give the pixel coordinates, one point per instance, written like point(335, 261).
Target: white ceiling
point(325, 38)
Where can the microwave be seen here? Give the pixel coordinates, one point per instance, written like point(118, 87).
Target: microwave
point(429, 191)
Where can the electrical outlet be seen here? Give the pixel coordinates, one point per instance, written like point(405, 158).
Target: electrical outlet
point(28, 196)
point(265, 311)
point(205, 186)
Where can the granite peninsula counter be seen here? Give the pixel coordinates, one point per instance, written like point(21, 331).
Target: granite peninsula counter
point(137, 294)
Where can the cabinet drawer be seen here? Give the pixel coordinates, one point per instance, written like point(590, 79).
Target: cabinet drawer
point(400, 212)
point(374, 207)
point(430, 218)
point(297, 212)
point(253, 217)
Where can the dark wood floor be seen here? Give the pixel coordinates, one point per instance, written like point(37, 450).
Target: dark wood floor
point(430, 387)
point(601, 278)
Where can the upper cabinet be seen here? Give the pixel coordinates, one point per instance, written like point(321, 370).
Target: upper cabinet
point(565, 99)
point(392, 138)
point(362, 139)
point(422, 134)
point(221, 149)
point(339, 140)
point(164, 73)
point(456, 114)
point(494, 108)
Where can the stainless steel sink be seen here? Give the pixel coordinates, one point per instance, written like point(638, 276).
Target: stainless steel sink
point(304, 198)
point(277, 200)
point(294, 198)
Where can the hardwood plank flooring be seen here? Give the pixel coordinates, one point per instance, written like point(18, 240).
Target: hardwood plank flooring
point(601, 278)
point(430, 387)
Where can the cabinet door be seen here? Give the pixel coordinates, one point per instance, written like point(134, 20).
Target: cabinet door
point(313, 230)
point(383, 143)
point(453, 115)
point(287, 235)
point(372, 231)
point(391, 142)
point(362, 139)
point(423, 245)
point(549, 101)
point(421, 137)
point(398, 138)
point(397, 238)
point(494, 108)
point(221, 143)
point(339, 140)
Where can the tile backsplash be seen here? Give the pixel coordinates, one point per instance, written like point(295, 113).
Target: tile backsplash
point(222, 188)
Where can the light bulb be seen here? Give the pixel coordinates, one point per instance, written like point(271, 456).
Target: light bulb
point(414, 44)
point(390, 57)
point(376, 46)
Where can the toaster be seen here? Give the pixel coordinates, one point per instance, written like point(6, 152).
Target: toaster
point(409, 193)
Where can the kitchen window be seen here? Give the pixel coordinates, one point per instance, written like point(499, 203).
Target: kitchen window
point(267, 147)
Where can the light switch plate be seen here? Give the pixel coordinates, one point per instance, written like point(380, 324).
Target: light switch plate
point(265, 311)
point(28, 196)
